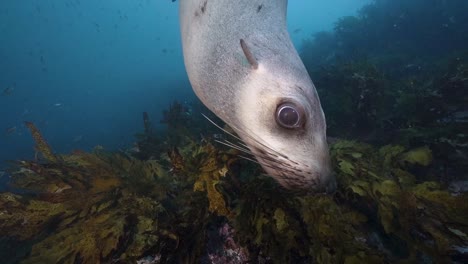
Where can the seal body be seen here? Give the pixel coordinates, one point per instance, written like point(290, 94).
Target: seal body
point(243, 66)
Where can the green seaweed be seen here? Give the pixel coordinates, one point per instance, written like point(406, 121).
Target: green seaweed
point(104, 207)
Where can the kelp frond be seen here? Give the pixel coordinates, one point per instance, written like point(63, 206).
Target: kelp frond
point(103, 207)
point(41, 143)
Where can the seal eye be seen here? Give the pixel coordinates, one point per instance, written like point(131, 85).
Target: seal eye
point(288, 115)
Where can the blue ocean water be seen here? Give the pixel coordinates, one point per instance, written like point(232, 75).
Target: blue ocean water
point(83, 70)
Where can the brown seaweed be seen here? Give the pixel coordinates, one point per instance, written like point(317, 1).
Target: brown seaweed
point(103, 207)
point(41, 143)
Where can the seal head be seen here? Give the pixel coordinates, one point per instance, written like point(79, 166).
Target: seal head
point(243, 66)
point(284, 126)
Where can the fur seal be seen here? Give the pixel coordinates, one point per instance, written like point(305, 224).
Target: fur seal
point(243, 66)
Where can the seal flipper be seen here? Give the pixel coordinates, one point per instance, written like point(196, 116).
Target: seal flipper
point(250, 58)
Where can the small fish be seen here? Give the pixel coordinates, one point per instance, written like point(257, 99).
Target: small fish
point(58, 104)
point(97, 26)
point(7, 91)
point(10, 130)
point(218, 136)
point(297, 30)
point(135, 148)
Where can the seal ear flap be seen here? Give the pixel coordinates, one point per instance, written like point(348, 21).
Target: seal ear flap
point(250, 58)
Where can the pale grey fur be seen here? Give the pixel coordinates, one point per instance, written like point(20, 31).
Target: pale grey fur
point(223, 80)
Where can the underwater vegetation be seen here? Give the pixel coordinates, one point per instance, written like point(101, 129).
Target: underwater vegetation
point(41, 145)
point(196, 203)
point(102, 207)
point(398, 73)
point(395, 33)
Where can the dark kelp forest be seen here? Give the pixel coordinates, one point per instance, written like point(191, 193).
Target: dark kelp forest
point(393, 82)
point(397, 73)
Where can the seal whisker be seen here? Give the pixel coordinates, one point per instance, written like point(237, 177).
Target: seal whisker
point(262, 162)
point(273, 159)
point(242, 144)
point(267, 157)
point(224, 130)
point(270, 154)
point(249, 159)
point(237, 145)
point(228, 144)
point(272, 166)
point(275, 164)
point(255, 138)
point(244, 147)
point(291, 176)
